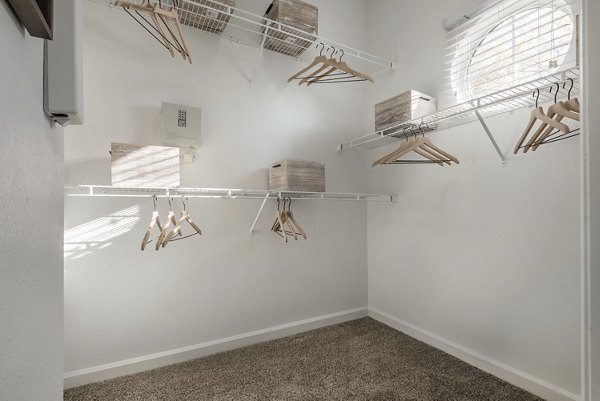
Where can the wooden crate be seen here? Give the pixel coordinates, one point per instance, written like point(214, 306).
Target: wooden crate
point(206, 15)
point(144, 166)
point(296, 14)
point(297, 175)
point(403, 108)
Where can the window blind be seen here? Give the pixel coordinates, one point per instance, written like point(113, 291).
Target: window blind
point(508, 43)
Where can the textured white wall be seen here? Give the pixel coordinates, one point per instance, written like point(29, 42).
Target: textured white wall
point(479, 254)
point(591, 61)
point(121, 303)
point(31, 209)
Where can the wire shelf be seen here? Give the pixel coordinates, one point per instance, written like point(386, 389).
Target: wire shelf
point(503, 101)
point(253, 30)
point(217, 193)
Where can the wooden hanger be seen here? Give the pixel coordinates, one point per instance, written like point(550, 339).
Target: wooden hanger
point(538, 115)
point(425, 148)
point(157, 13)
point(293, 225)
point(569, 109)
point(327, 63)
point(323, 68)
point(402, 146)
point(413, 144)
point(278, 227)
point(573, 105)
point(558, 109)
point(290, 215)
point(185, 217)
point(171, 221)
point(154, 221)
point(286, 220)
point(431, 155)
point(421, 146)
point(429, 144)
point(565, 110)
point(285, 224)
point(320, 59)
point(340, 65)
point(309, 77)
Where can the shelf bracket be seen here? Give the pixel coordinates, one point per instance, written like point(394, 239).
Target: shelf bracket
point(489, 134)
point(262, 206)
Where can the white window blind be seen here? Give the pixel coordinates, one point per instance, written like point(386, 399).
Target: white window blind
point(508, 43)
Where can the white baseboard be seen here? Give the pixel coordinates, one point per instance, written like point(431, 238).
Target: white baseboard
point(95, 374)
point(534, 385)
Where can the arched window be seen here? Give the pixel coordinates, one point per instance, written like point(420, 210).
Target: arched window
point(509, 45)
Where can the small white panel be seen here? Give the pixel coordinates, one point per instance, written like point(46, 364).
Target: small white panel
point(63, 65)
point(181, 125)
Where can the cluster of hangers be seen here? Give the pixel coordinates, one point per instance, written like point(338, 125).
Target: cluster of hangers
point(325, 69)
point(551, 128)
point(285, 223)
point(160, 17)
point(421, 146)
point(172, 229)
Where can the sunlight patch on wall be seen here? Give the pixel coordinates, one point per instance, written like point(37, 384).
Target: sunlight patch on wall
point(144, 166)
point(100, 233)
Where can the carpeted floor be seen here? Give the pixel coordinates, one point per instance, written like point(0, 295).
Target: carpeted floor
point(358, 360)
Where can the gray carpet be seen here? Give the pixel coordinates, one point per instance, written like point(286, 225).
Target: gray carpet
point(358, 360)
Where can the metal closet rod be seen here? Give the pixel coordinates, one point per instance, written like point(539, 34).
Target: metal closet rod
point(220, 193)
point(217, 193)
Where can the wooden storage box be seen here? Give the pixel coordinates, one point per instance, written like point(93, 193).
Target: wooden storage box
point(206, 15)
point(296, 14)
point(144, 166)
point(297, 175)
point(403, 108)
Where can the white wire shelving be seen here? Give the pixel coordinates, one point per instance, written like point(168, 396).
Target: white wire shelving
point(216, 193)
point(506, 100)
point(257, 31)
point(220, 193)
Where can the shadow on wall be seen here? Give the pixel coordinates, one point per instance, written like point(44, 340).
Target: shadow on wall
point(100, 233)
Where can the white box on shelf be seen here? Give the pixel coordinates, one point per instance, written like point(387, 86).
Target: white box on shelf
point(297, 175)
point(403, 108)
point(144, 166)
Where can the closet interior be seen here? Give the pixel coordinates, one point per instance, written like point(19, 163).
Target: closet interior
point(234, 229)
point(510, 83)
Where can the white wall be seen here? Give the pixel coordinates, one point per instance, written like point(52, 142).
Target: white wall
point(121, 303)
point(591, 60)
point(31, 209)
point(479, 259)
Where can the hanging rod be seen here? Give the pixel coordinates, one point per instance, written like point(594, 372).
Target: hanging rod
point(217, 193)
point(254, 30)
point(503, 101)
